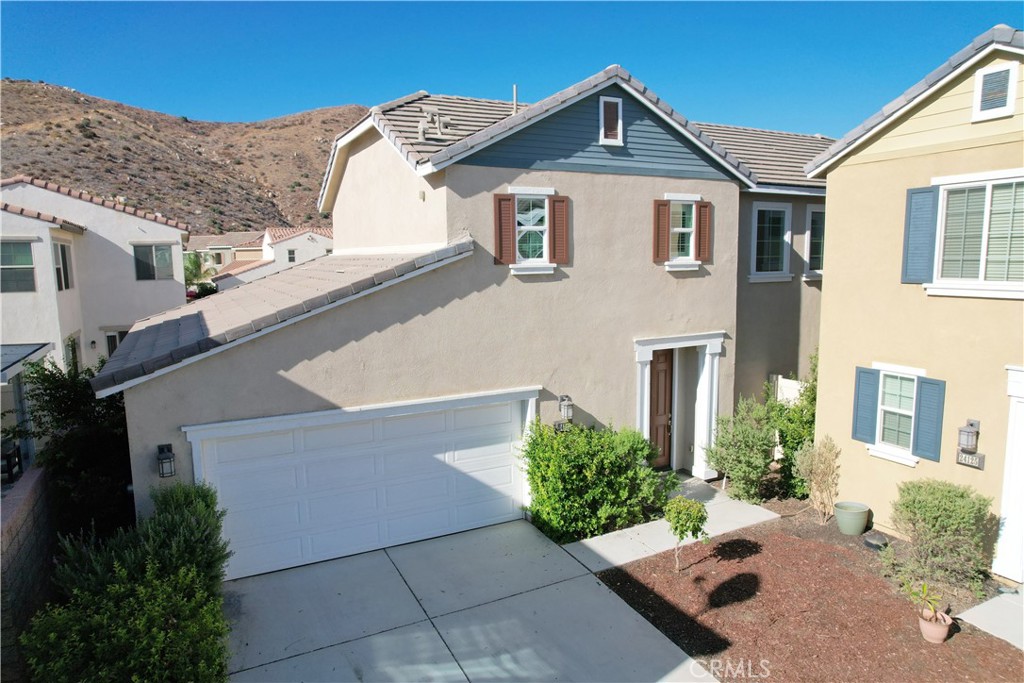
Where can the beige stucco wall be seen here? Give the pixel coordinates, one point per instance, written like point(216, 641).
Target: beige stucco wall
point(868, 316)
point(381, 203)
point(777, 322)
point(472, 326)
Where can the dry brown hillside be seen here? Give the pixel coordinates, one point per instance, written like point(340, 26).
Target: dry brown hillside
point(214, 176)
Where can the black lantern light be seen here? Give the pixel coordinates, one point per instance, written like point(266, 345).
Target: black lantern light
point(165, 460)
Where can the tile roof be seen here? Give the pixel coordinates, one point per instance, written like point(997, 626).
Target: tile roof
point(45, 217)
point(226, 239)
point(238, 266)
point(281, 234)
point(777, 158)
point(108, 203)
point(171, 337)
point(999, 35)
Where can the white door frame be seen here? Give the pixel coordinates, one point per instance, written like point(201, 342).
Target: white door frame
point(706, 410)
point(1009, 559)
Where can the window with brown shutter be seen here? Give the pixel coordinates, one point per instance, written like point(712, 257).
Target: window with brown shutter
point(559, 229)
point(702, 250)
point(504, 229)
point(661, 230)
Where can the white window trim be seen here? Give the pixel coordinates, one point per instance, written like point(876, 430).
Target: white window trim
point(58, 265)
point(681, 197)
point(682, 263)
point(1011, 93)
point(529, 268)
point(809, 273)
point(959, 287)
point(524, 189)
point(883, 450)
point(156, 274)
point(534, 266)
point(773, 276)
point(32, 267)
point(602, 139)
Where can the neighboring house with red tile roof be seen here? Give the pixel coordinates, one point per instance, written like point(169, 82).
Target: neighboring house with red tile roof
point(596, 245)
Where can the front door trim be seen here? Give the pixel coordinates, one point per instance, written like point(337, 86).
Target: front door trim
point(706, 411)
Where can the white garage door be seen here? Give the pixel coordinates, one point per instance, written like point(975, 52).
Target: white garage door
point(307, 488)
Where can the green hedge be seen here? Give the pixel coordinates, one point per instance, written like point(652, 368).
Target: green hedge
point(585, 482)
point(143, 605)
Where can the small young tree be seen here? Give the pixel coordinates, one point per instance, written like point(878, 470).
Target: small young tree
point(686, 518)
point(818, 466)
point(743, 448)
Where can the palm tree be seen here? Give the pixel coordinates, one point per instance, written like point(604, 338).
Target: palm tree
point(196, 270)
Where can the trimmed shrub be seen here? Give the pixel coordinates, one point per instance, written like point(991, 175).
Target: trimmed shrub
point(795, 426)
point(818, 466)
point(586, 482)
point(945, 525)
point(686, 518)
point(185, 530)
point(743, 449)
point(160, 627)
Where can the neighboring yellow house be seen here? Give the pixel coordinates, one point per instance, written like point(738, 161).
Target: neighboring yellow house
point(922, 319)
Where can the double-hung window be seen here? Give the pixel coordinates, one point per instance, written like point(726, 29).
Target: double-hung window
point(682, 231)
point(531, 232)
point(964, 236)
point(897, 411)
point(17, 272)
point(62, 265)
point(770, 239)
point(153, 262)
point(815, 241)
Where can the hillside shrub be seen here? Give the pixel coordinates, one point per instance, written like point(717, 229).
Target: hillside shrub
point(184, 531)
point(946, 526)
point(743, 449)
point(686, 518)
point(818, 466)
point(585, 482)
point(157, 627)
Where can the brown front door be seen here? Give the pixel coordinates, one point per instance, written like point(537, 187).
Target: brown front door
point(661, 406)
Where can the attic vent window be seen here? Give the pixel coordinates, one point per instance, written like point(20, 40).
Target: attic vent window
point(995, 92)
point(611, 120)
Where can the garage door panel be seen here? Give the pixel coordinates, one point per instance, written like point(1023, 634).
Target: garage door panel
point(317, 493)
point(338, 436)
point(249, 448)
point(341, 468)
point(413, 425)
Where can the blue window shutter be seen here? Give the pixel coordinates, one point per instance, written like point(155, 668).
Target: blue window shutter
point(865, 405)
point(927, 438)
point(919, 235)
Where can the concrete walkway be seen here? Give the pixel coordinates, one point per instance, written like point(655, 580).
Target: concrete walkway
point(620, 547)
point(1002, 616)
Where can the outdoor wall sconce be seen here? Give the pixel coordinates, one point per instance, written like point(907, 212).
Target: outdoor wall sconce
point(165, 460)
point(565, 409)
point(968, 439)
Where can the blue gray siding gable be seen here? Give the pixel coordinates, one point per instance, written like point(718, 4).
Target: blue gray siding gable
point(568, 141)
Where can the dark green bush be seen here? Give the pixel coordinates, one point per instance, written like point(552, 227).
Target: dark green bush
point(586, 482)
point(743, 449)
point(159, 627)
point(946, 526)
point(185, 530)
point(795, 426)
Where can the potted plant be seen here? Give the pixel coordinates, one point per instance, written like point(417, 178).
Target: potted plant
point(934, 624)
point(852, 518)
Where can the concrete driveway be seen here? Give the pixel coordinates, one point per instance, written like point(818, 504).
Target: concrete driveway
point(501, 603)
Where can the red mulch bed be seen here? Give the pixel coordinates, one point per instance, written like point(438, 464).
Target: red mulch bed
point(789, 600)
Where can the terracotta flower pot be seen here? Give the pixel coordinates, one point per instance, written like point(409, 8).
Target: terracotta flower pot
point(934, 631)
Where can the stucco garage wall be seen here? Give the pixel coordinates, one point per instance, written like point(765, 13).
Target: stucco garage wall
point(472, 326)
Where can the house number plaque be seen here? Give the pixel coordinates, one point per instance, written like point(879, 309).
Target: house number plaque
point(975, 460)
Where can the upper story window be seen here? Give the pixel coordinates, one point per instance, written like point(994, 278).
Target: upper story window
point(815, 240)
point(153, 262)
point(291, 256)
point(682, 231)
point(611, 120)
point(531, 230)
point(114, 340)
point(62, 265)
point(964, 236)
point(770, 240)
point(17, 273)
point(995, 92)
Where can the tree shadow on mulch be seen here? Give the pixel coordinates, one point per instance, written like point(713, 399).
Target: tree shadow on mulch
point(737, 549)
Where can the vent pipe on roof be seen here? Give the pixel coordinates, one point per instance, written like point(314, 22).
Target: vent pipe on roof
point(515, 98)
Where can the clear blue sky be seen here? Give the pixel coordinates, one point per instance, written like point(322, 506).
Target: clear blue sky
point(802, 67)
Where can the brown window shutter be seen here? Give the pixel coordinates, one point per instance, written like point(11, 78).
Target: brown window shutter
point(504, 228)
point(661, 234)
point(559, 227)
point(703, 231)
point(611, 120)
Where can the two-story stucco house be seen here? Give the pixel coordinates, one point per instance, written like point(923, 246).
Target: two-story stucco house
point(922, 321)
point(491, 262)
point(77, 272)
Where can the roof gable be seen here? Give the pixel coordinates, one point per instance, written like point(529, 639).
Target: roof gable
point(1000, 37)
